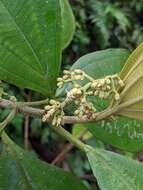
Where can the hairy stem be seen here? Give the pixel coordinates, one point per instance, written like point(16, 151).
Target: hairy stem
point(61, 131)
point(36, 103)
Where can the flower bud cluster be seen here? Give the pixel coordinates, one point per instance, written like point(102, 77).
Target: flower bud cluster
point(103, 88)
point(53, 112)
point(70, 76)
point(85, 108)
point(74, 93)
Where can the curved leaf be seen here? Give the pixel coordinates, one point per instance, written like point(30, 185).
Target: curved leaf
point(68, 21)
point(101, 63)
point(30, 43)
point(114, 171)
point(20, 170)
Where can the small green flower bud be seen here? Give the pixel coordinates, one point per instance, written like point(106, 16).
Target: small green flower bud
point(51, 112)
point(102, 82)
point(60, 84)
point(47, 107)
point(83, 100)
point(59, 80)
point(46, 117)
point(59, 120)
point(75, 93)
point(65, 77)
point(78, 77)
point(94, 84)
point(117, 96)
point(54, 122)
point(87, 111)
point(108, 81)
point(89, 93)
point(99, 85)
point(104, 88)
point(73, 73)
point(66, 72)
point(78, 71)
point(52, 102)
point(121, 83)
point(108, 87)
point(96, 93)
point(76, 112)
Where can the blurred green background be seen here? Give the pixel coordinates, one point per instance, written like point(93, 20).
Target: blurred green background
point(100, 24)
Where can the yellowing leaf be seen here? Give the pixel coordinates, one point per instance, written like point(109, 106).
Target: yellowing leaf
point(133, 59)
point(132, 95)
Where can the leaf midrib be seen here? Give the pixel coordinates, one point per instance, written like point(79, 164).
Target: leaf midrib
point(25, 38)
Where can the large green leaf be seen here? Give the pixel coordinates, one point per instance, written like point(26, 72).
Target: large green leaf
point(20, 170)
point(30, 43)
point(114, 171)
point(122, 132)
point(68, 23)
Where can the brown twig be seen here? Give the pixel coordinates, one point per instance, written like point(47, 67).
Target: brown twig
point(61, 156)
point(26, 124)
point(26, 132)
point(67, 119)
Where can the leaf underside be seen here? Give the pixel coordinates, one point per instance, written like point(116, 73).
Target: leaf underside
point(114, 171)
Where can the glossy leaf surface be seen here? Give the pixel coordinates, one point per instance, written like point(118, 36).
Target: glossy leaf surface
point(30, 43)
point(68, 23)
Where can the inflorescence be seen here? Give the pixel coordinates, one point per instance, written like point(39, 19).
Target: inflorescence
point(103, 88)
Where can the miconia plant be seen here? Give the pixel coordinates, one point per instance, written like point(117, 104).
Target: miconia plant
point(104, 90)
